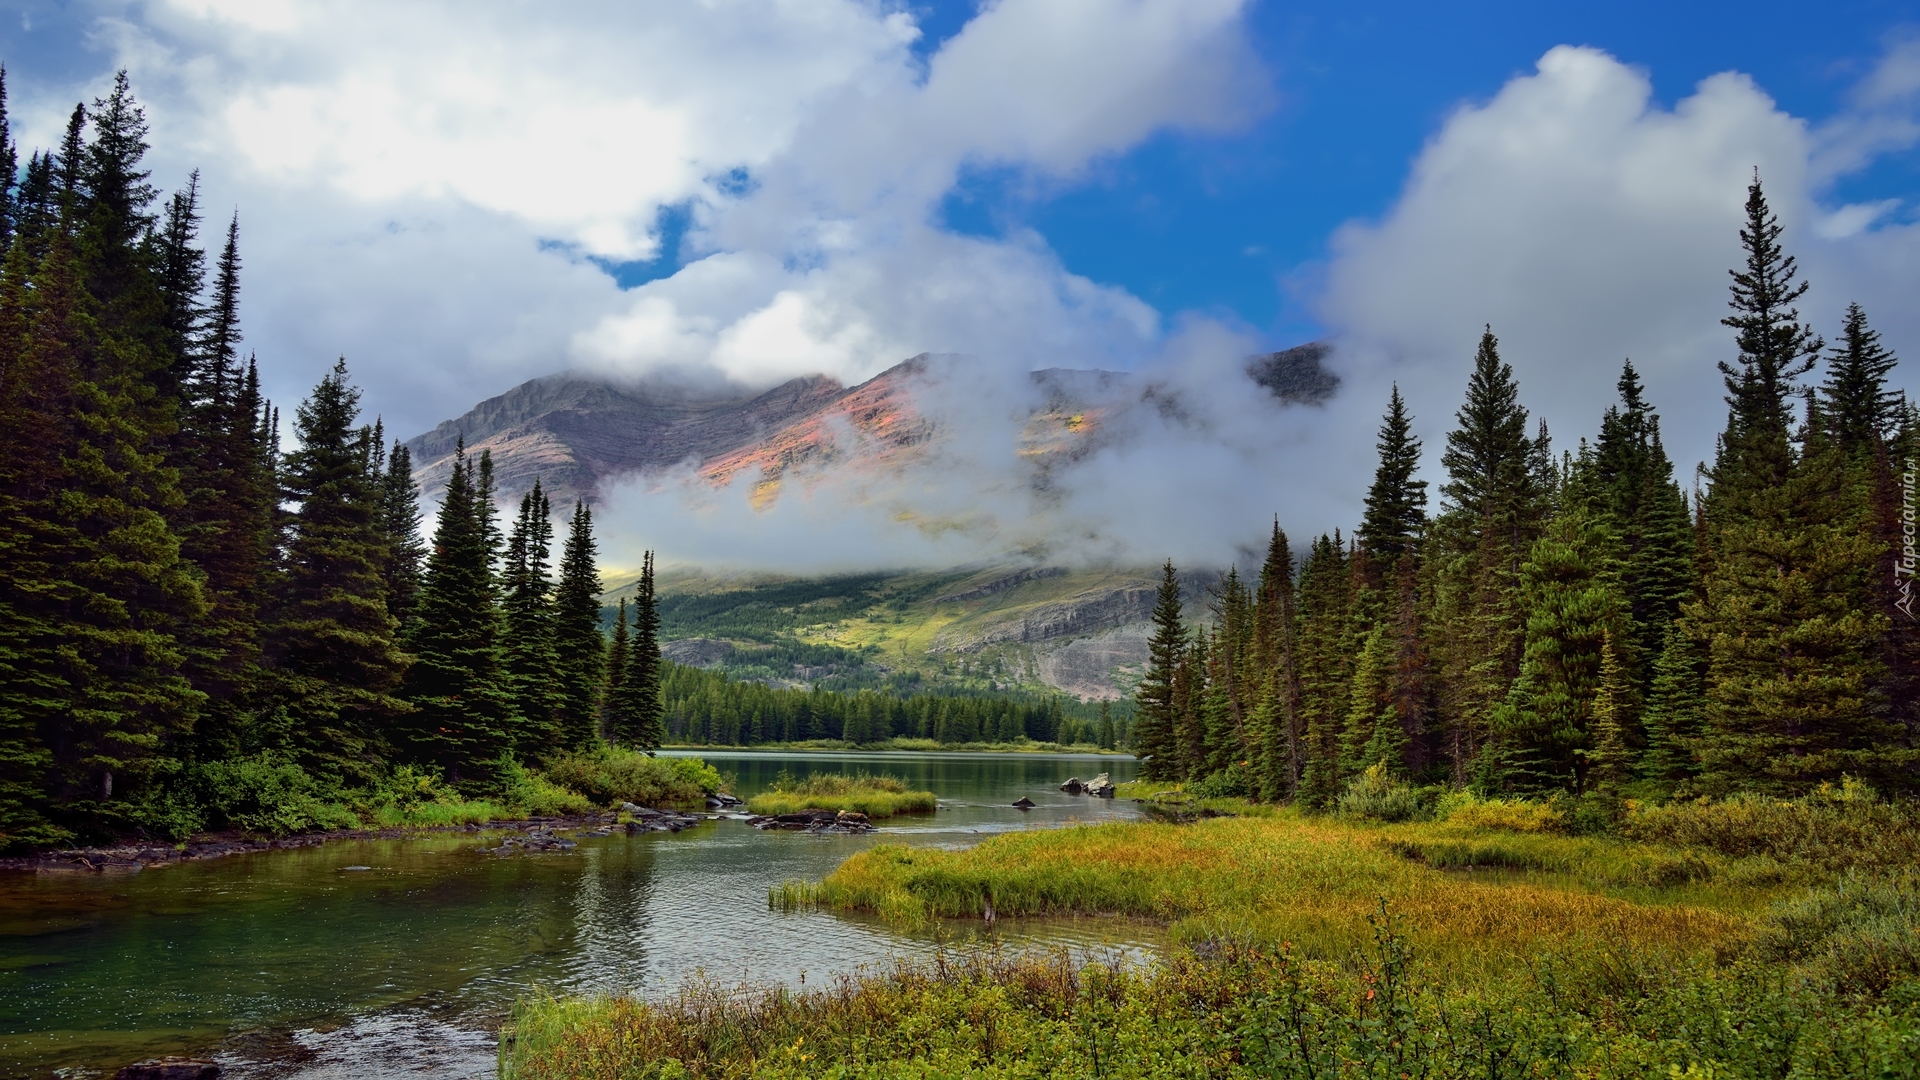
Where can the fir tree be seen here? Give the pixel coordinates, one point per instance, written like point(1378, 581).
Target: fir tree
point(463, 720)
point(9, 170)
point(1153, 728)
point(1676, 704)
point(1610, 760)
point(1276, 730)
point(636, 708)
point(616, 669)
point(1396, 508)
point(1573, 610)
point(400, 519)
point(182, 271)
point(531, 661)
point(1326, 654)
point(1861, 412)
point(1106, 738)
point(331, 638)
point(580, 647)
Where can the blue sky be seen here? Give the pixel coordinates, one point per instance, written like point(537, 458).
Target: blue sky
point(461, 196)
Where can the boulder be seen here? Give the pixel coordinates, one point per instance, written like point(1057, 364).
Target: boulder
point(1073, 786)
point(1024, 803)
point(170, 1068)
point(720, 800)
point(1101, 786)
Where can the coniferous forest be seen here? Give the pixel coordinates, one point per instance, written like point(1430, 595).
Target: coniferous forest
point(194, 620)
point(1578, 623)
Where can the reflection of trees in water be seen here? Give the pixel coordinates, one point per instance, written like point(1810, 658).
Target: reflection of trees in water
point(610, 905)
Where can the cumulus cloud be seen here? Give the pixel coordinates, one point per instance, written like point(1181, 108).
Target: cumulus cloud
point(1588, 224)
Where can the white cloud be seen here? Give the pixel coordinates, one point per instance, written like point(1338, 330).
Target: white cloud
point(1588, 224)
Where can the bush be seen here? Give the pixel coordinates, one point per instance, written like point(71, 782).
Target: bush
point(528, 791)
point(611, 774)
point(268, 794)
point(1376, 796)
point(1513, 815)
point(1235, 781)
point(1832, 829)
point(1862, 934)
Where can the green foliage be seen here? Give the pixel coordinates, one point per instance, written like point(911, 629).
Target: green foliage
point(610, 774)
point(1376, 796)
point(861, 793)
point(1861, 935)
point(1834, 828)
point(529, 792)
point(268, 793)
point(1154, 740)
point(1236, 781)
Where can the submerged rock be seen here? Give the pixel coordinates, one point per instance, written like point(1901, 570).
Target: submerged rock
point(1024, 803)
point(170, 1068)
point(1073, 786)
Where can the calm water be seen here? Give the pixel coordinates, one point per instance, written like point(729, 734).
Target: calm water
point(283, 965)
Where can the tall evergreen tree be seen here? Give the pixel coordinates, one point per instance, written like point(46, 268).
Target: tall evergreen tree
point(182, 271)
point(636, 711)
point(1396, 507)
point(1327, 647)
point(1153, 727)
point(400, 519)
point(1676, 705)
point(330, 638)
point(463, 716)
point(531, 660)
point(1610, 760)
point(617, 651)
point(1861, 412)
point(1277, 718)
point(9, 170)
point(580, 647)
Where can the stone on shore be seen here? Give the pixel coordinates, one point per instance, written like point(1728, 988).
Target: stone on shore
point(170, 1068)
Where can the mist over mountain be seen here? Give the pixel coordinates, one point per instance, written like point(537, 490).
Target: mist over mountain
point(947, 444)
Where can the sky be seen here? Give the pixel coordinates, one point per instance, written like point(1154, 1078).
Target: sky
point(460, 196)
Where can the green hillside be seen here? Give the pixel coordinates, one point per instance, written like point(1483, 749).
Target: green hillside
point(995, 628)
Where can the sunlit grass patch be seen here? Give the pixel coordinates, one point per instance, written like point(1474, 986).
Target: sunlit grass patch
point(861, 793)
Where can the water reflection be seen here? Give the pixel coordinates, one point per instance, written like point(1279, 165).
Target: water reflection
point(439, 936)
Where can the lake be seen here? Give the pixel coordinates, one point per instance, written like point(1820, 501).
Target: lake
point(282, 964)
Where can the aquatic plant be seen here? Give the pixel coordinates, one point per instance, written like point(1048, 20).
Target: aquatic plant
point(861, 793)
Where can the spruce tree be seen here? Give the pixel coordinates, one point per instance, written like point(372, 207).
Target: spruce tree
point(531, 662)
point(1610, 760)
point(1495, 507)
point(1153, 727)
point(1574, 609)
point(331, 639)
point(1396, 507)
point(400, 519)
point(463, 716)
point(634, 707)
point(1327, 647)
point(9, 170)
point(1190, 707)
point(1861, 412)
point(1676, 705)
point(1106, 738)
point(580, 647)
point(1276, 733)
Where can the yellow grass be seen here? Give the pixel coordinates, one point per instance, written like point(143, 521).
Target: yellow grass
point(874, 796)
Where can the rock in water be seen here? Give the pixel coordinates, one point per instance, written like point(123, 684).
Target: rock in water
point(1100, 785)
point(1073, 786)
point(1024, 803)
point(172, 1068)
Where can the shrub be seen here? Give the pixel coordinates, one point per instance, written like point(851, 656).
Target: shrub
point(612, 774)
point(1235, 781)
point(526, 790)
point(267, 794)
point(1513, 815)
point(1862, 934)
point(1375, 795)
point(1832, 829)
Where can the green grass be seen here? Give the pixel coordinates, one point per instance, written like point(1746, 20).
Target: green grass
point(861, 793)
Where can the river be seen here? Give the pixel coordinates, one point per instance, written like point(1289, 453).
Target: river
point(283, 965)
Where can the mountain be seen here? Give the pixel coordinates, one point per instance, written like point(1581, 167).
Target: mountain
point(580, 434)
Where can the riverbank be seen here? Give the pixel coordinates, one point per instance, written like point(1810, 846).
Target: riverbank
point(914, 746)
point(1750, 938)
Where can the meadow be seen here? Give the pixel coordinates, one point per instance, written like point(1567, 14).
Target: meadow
point(1745, 938)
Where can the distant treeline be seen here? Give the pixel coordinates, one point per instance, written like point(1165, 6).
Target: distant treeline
point(1576, 624)
point(711, 708)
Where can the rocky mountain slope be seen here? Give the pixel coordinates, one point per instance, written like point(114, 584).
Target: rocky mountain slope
point(579, 434)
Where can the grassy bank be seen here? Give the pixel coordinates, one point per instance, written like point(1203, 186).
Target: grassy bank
point(917, 746)
point(1748, 938)
point(272, 796)
point(861, 793)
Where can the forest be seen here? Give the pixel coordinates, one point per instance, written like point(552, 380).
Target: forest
point(1579, 625)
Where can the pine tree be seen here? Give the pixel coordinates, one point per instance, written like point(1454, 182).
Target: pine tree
point(531, 662)
point(1367, 710)
point(1610, 760)
point(1862, 413)
point(616, 671)
point(1190, 707)
point(463, 717)
point(1676, 704)
point(1396, 513)
point(1495, 507)
point(580, 647)
point(9, 170)
point(635, 710)
point(331, 639)
point(400, 519)
point(1276, 730)
point(1327, 647)
point(1574, 610)
point(1153, 728)
point(182, 271)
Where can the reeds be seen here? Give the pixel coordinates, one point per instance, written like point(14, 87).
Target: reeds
point(862, 793)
